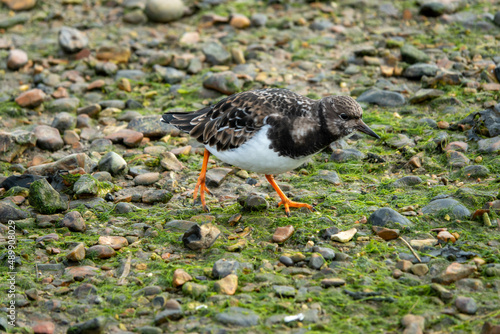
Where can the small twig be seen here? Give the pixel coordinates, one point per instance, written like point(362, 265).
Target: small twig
point(126, 271)
point(412, 250)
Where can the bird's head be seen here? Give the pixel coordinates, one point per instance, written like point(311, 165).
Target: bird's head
point(343, 115)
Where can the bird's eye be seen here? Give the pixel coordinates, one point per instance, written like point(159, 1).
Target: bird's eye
point(344, 117)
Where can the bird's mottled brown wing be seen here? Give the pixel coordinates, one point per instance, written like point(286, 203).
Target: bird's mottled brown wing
point(232, 121)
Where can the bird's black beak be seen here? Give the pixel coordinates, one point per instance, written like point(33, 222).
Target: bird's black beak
point(361, 126)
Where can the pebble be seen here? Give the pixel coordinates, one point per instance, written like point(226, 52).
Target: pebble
point(386, 233)
point(68, 105)
point(164, 11)
point(466, 305)
point(239, 21)
point(95, 325)
point(316, 261)
point(413, 324)
point(282, 234)
point(327, 253)
point(19, 5)
point(44, 198)
point(329, 176)
point(407, 181)
point(146, 179)
point(150, 127)
point(10, 211)
point(114, 242)
point(180, 277)
point(31, 98)
point(284, 291)
point(489, 145)
point(224, 82)
point(399, 141)
point(16, 59)
point(72, 40)
point(224, 267)
point(156, 196)
point(193, 289)
point(412, 55)
point(451, 206)
point(457, 159)
point(77, 253)
point(348, 154)
point(227, 285)
point(419, 269)
point(216, 53)
point(344, 236)
point(328, 232)
point(239, 317)
point(453, 273)
point(253, 202)
point(172, 311)
point(100, 252)
point(113, 163)
point(200, 237)
point(43, 327)
point(74, 222)
point(387, 217)
point(382, 98)
point(417, 71)
point(332, 282)
point(258, 20)
point(216, 176)
point(129, 138)
point(476, 171)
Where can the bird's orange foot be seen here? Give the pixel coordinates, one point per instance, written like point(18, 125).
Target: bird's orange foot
point(202, 187)
point(287, 203)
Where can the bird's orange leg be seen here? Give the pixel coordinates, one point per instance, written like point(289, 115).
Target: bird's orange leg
point(285, 200)
point(201, 181)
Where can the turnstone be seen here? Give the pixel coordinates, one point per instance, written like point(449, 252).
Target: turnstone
point(269, 131)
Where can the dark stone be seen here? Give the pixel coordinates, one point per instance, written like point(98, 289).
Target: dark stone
point(84, 290)
point(10, 211)
point(417, 71)
point(223, 267)
point(387, 217)
point(287, 261)
point(200, 237)
point(19, 181)
point(348, 154)
point(92, 326)
point(382, 98)
point(448, 206)
point(407, 181)
point(328, 232)
point(327, 253)
point(238, 316)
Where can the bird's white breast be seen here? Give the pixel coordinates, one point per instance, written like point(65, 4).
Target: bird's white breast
point(256, 156)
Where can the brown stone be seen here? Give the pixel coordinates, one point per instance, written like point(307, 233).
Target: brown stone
point(101, 251)
point(404, 265)
point(146, 179)
point(70, 137)
point(386, 233)
point(457, 146)
point(19, 4)
point(190, 38)
point(113, 53)
point(491, 87)
point(77, 253)
point(283, 233)
point(130, 138)
point(443, 125)
point(98, 84)
point(31, 98)
point(180, 277)
point(48, 138)
point(387, 71)
point(43, 327)
point(415, 162)
point(17, 59)
point(419, 269)
point(71, 162)
point(74, 222)
point(114, 242)
point(60, 93)
point(124, 84)
point(239, 21)
point(80, 271)
point(227, 285)
point(446, 237)
point(454, 272)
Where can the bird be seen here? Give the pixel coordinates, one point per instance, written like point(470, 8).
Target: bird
point(268, 131)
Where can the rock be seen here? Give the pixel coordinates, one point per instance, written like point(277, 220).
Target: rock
point(10, 211)
point(328, 232)
point(101, 252)
point(216, 53)
point(6, 23)
point(490, 145)
point(135, 17)
point(127, 74)
point(412, 55)
point(385, 233)
point(84, 290)
point(216, 176)
point(419, 269)
point(31, 98)
point(48, 138)
point(129, 138)
point(156, 196)
point(284, 291)
point(114, 242)
point(43, 327)
point(77, 253)
point(417, 71)
point(200, 237)
point(113, 163)
point(16, 59)
point(457, 146)
point(400, 141)
point(344, 236)
point(466, 305)
point(13, 144)
point(124, 207)
point(316, 261)
point(475, 171)
point(382, 98)
point(387, 217)
point(72, 40)
point(44, 198)
point(68, 163)
point(18, 5)
point(85, 186)
point(332, 282)
point(146, 179)
point(414, 324)
point(64, 121)
point(227, 285)
point(407, 181)
point(172, 311)
point(96, 325)
point(457, 159)
point(327, 253)
point(164, 11)
point(225, 82)
point(453, 273)
point(488, 328)
point(424, 95)
point(239, 21)
point(282, 234)
point(329, 176)
point(287, 261)
point(449, 206)
point(223, 268)
point(253, 202)
point(150, 127)
point(180, 277)
point(348, 154)
point(260, 20)
point(238, 317)
point(74, 222)
point(193, 289)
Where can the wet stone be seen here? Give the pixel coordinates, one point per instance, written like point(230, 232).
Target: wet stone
point(316, 261)
point(423, 95)
point(400, 141)
point(286, 260)
point(227, 285)
point(44, 198)
point(284, 291)
point(68, 105)
point(466, 305)
point(223, 267)
point(387, 217)
point(124, 207)
point(329, 176)
point(239, 317)
point(74, 222)
point(101, 252)
point(446, 205)
point(253, 202)
point(48, 138)
point(327, 253)
point(282, 234)
point(349, 154)
point(15, 143)
point(490, 145)
point(200, 237)
point(382, 98)
point(328, 232)
point(156, 196)
point(77, 253)
point(31, 98)
point(216, 53)
point(85, 186)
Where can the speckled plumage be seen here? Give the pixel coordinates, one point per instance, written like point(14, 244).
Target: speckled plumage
point(298, 126)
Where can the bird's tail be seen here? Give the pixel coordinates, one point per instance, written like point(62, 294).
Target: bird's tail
point(184, 121)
